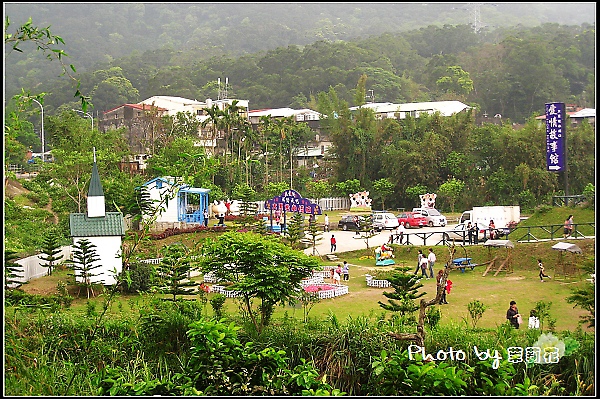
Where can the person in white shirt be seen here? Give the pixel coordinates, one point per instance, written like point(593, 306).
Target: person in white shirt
point(400, 233)
point(431, 261)
point(326, 226)
point(534, 321)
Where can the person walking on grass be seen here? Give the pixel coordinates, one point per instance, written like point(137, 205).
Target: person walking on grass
point(568, 228)
point(542, 275)
point(419, 257)
point(326, 226)
point(346, 271)
point(423, 267)
point(431, 261)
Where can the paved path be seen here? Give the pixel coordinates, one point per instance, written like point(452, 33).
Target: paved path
point(346, 241)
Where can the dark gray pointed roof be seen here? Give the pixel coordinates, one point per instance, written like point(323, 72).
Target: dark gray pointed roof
point(95, 189)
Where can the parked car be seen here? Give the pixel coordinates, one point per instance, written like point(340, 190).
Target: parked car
point(384, 220)
point(348, 222)
point(433, 216)
point(411, 219)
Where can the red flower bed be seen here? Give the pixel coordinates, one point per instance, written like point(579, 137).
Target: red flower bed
point(318, 287)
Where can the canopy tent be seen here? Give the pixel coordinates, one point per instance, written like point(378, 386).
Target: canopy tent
point(562, 268)
point(499, 243)
point(567, 246)
point(507, 263)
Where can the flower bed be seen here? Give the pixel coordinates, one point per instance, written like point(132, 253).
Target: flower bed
point(327, 290)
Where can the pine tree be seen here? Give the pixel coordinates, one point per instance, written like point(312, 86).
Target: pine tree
point(365, 228)
point(174, 269)
point(84, 263)
point(12, 270)
point(314, 234)
point(406, 286)
point(50, 248)
point(295, 229)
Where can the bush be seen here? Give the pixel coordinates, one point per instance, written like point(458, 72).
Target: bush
point(476, 310)
point(217, 303)
point(433, 316)
point(140, 277)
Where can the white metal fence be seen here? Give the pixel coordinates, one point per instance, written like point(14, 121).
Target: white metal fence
point(32, 265)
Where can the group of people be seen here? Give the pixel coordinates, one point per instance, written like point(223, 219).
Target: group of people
point(424, 262)
point(473, 233)
point(398, 235)
point(447, 287)
point(340, 271)
point(515, 319)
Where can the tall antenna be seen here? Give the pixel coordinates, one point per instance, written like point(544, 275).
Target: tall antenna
point(370, 97)
point(226, 84)
point(94, 149)
point(475, 16)
point(219, 89)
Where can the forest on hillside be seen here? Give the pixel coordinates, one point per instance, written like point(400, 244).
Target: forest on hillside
point(510, 70)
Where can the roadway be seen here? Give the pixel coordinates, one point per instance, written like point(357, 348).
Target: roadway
point(350, 241)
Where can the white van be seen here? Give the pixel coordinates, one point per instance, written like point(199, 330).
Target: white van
point(384, 220)
point(433, 216)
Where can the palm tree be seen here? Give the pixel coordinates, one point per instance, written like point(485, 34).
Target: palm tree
point(214, 119)
point(266, 127)
point(283, 126)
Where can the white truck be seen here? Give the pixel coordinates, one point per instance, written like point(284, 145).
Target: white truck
point(501, 215)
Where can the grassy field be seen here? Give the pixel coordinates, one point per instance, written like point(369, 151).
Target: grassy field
point(522, 285)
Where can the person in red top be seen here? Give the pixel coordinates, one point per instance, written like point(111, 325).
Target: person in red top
point(333, 243)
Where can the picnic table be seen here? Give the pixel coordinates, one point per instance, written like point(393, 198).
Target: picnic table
point(463, 262)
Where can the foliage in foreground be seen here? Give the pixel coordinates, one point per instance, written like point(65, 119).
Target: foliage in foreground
point(134, 355)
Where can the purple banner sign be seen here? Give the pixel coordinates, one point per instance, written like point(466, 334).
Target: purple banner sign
point(292, 201)
point(555, 136)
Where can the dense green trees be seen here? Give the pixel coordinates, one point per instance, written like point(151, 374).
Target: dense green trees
point(262, 270)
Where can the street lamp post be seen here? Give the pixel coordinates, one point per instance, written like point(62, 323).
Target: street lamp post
point(86, 115)
point(242, 139)
point(42, 128)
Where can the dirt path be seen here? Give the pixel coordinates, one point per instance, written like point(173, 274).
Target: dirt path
point(49, 209)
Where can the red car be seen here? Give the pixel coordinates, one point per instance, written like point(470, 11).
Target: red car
point(412, 219)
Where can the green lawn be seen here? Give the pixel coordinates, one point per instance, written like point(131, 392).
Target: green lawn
point(522, 285)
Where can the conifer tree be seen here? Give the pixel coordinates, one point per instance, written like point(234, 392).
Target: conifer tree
point(50, 250)
point(314, 234)
point(12, 270)
point(365, 228)
point(84, 264)
point(174, 269)
point(295, 230)
point(406, 286)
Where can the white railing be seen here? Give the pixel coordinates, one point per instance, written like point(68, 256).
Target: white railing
point(322, 273)
point(222, 290)
point(371, 282)
point(312, 280)
point(339, 289)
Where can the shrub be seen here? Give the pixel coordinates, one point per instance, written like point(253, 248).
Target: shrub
point(139, 278)
point(433, 316)
point(217, 303)
point(476, 310)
